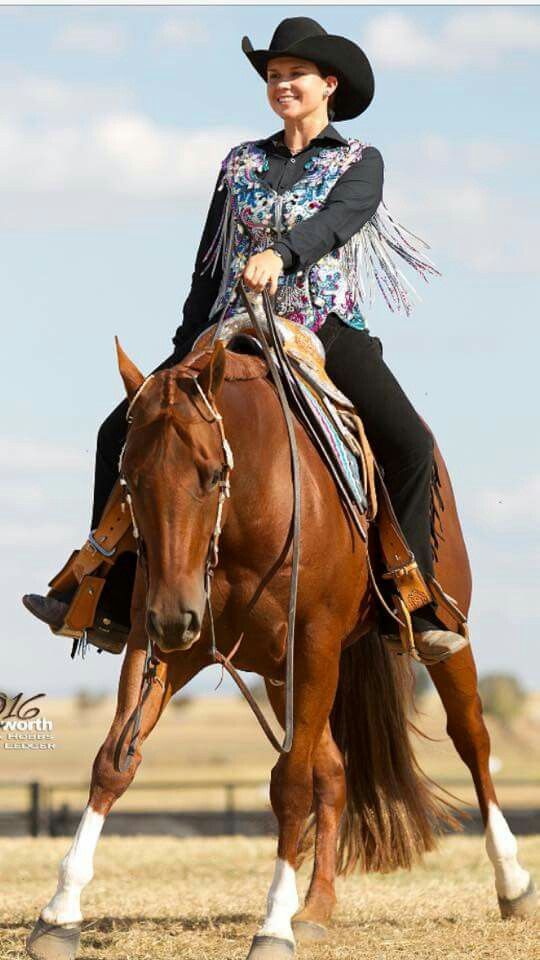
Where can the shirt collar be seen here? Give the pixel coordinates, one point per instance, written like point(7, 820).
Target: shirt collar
point(328, 133)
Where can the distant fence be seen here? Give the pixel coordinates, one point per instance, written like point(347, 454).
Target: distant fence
point(41, 815)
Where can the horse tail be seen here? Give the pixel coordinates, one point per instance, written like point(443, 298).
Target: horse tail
point(392, 816)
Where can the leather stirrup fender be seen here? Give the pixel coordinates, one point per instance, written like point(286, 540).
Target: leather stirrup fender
point(401, 567)
point(87, 568)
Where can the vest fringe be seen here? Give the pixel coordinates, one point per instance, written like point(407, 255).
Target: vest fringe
point(222, 244)
point(369, 261)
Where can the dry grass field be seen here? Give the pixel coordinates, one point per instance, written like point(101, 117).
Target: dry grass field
point(165, 898)
point(201, 899)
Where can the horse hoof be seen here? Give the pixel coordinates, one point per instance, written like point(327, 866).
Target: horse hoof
point(522, 907)
point(307, 931)
point(50, 942)
point(270, 948)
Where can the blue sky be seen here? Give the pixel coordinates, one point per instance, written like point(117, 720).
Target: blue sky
point(113, 121)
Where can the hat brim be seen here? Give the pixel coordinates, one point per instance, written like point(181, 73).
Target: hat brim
point(339, 56)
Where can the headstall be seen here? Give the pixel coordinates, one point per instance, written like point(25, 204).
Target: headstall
point(151, 661)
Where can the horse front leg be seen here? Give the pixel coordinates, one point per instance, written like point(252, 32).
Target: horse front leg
point(457, 685)
point(56, 934)
point(291, 791)
point(329, 788)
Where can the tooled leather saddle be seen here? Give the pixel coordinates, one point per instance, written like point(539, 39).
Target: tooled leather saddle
point(87, 568)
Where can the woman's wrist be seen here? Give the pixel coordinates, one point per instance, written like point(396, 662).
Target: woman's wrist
point(278, 254)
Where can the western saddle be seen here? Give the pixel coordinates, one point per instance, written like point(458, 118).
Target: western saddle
point(87, 569)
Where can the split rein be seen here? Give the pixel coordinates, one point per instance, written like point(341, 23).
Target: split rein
point(150, 675)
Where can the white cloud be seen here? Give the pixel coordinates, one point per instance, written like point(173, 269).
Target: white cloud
point(394, 40)
point(91, 38)
point(25, 494)
point(456, 205)
point(71, 156)
point(41, 100)
point(474, 156)
point(180, 33)
point(117, 153)
point(15, 533)
point(514, 510)
point(23, 455)
point(482, 38)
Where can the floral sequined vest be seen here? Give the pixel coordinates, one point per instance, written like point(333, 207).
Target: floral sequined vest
point(255, 216)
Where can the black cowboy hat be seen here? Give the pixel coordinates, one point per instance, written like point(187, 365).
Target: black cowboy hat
point(305, 38)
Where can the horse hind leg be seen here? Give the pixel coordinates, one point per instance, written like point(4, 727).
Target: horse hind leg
point(456, 683)
point(329, 796)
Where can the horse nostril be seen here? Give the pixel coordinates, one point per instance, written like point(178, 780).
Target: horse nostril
point(152, 623)
point(189, 621)
point(194, 625)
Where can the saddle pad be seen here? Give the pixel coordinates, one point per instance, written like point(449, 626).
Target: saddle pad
point(240, 366)
point(344, 457)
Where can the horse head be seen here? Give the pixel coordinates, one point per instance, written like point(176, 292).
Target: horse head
point(172, 465)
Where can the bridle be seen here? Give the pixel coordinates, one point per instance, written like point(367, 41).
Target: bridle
point(151, 663)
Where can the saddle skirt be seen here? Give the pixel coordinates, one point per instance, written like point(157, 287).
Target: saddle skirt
point(335, 413)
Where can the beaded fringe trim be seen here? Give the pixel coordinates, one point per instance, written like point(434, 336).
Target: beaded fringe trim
point(221, 248)
point(369, 263)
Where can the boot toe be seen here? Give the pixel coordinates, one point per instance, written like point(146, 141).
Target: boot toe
point(47, 609)
point(439, 644)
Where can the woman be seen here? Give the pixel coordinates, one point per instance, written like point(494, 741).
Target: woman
point(301, 212)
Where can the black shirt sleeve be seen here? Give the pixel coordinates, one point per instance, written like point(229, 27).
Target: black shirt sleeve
point(349, 205)
point(204, 286)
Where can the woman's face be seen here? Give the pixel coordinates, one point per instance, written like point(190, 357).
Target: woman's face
point(296, 87)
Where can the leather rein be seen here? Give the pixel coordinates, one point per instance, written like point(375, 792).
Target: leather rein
point(151, 663)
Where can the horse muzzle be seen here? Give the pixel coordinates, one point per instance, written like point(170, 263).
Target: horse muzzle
point(178, 633)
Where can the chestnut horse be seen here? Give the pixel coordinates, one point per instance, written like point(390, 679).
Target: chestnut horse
point(351, 763)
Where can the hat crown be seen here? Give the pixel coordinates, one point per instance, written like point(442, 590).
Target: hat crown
point(293, 29)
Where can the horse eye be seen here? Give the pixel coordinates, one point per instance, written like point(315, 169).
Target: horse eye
point(213, 479)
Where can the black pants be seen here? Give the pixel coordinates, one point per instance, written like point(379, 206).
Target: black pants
point(401, 444)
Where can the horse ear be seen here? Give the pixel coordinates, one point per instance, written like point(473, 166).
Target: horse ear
point(130, 374)
point(212, 375)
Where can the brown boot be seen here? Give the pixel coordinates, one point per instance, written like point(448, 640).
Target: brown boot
point(433, 646)
point(105, 633)
point(48, 609)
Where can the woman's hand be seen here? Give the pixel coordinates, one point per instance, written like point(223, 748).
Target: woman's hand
point(262, 270)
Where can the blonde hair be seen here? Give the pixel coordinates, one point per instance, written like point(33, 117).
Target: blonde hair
point(331, 105)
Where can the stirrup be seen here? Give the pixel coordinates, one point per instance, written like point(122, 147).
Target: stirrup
point(86, 569)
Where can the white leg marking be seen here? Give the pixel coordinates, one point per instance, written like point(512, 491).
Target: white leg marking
point(511, 880)
point(282, 903)
point(76, 870)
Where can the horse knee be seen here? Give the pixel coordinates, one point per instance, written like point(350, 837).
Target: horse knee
point(108, 783)
point(291, 789)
